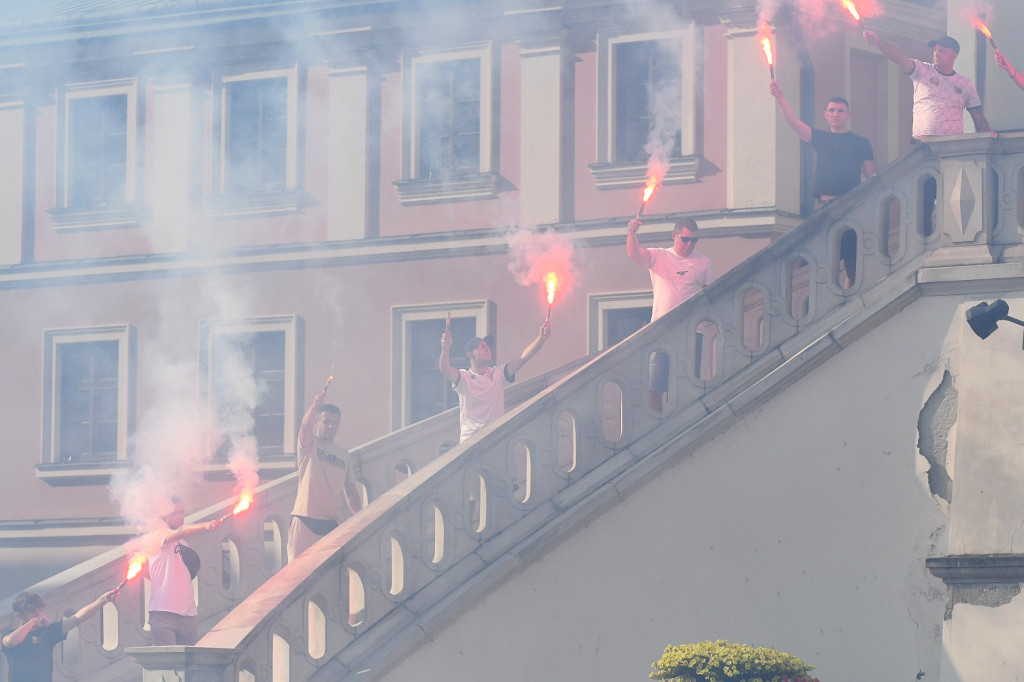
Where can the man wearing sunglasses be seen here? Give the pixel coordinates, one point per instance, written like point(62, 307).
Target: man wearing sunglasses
point(677, 273)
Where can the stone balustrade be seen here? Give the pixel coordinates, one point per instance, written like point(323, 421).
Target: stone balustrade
point(436, 541)
point(445, 522)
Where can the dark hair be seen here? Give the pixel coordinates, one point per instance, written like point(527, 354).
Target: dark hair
point(684, 224)
point(27, 601)
point(838, 100)
point(327, 408)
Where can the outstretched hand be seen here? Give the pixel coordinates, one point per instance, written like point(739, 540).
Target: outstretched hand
point(545, 329)
point(774, 89)
point(446, 340)
point(870, 37)
point(1004, 63)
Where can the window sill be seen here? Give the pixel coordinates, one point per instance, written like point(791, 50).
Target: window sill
point(462, 188)
point(256, 204)
point(72, 218)
point(269, 467)
point(631, 175)
point(93, 473)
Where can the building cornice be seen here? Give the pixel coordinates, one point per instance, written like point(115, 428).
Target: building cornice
point(755, 223)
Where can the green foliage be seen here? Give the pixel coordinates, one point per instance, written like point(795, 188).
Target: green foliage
point(723, 661)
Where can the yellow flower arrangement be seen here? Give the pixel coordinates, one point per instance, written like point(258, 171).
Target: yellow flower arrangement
point(725, 661)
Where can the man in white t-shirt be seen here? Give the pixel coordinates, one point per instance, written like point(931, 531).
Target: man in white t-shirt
point(676, 274)
point(481, 388)
point(940, 93)
point(173, 617)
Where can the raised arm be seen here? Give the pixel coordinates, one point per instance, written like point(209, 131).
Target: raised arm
point(88, 610)
point(637, 253)
point(890, 51)
point(307, 429)
point(190, 529)
point(531, 350)
point(13, 639)
point(1005, 64)
point(802, 130)
point(444, 362)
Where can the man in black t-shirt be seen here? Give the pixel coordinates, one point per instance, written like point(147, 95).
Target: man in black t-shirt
point(842, 156)
point(29, 647)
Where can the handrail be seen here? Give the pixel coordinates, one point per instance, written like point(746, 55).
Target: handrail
point(430, 542)
point(419, 554)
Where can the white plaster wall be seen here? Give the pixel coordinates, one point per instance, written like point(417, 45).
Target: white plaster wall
point(983, 643)
point(804, 527)
point(988, 471)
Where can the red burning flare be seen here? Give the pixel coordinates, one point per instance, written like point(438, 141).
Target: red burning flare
point(852, 9)
point(134, 567)
point(764, 36)
point(243, 504)
point(550, 284)
point(979, 25)
point(652, 184)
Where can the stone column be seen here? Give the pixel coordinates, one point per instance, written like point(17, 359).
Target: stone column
point(17, 131)
point(544, 193)
point(763, 154)
point(352, 178)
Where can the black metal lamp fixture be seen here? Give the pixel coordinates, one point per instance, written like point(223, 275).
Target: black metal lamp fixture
point(984, 316)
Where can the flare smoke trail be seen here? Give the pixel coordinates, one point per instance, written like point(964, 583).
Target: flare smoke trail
point(536, 254)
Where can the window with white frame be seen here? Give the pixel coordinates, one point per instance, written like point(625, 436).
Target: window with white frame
point(419, 390)
point(250, 375)
point(616, 316)
point(447, 118)
point(649, 98)
point(97, 154)
point(647, 94)
point(258, 150)
point(88, 393)
point(450, 151)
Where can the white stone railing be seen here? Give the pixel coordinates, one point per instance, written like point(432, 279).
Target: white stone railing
point(237, 557)
point(375, 587)
point(433, 541)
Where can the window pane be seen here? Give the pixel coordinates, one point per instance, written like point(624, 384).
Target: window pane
point(448, 118)
point(623, 322)
point(256, 359)
point(97, 150)
point(257, 135)
point(430, 393)
point(647, 78)
point(88, 401)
